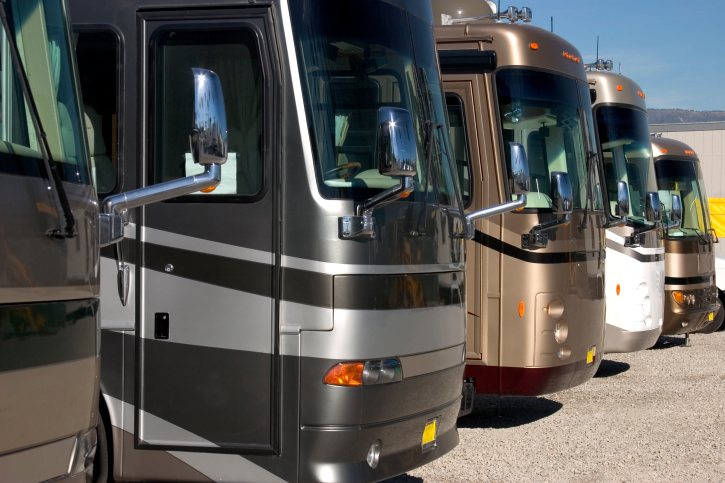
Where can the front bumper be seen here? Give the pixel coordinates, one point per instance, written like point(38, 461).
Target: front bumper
point(617, 339)
point(338, 453)
point(682, 320)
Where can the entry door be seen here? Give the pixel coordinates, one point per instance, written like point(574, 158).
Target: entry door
point(207, 340)
point(470, 129)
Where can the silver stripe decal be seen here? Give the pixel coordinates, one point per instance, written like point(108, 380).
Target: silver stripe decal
point(371, 334)
point(304, 317)
point(644, 251)
point(174, 240)
point(420, 364)
point(350, 269)
point(154, 430)
point(208, 315)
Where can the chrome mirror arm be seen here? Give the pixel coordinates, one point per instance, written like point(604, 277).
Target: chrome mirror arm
point(518, 204)
point(536, 238)
point(110, 222)
point(362, 225)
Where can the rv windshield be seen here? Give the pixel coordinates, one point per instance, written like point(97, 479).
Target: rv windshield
point(546, 114)
point(684, 178)
point(624, 138)
point(357, 57)
point(40, 31)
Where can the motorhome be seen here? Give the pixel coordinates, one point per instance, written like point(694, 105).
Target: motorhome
point(691, 296)
point(535, 292)
point(635, 269)
point(304, 318)
point(49, 332)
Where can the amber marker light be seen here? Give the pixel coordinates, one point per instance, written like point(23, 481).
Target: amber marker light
point(521, 309)
point(405, 194)
point(677, 295)
point(664, 151)
point(208, 190)
point(619, 88)
point(534, 46)
point(345, 374)
point(689, 152)
point(618, 289)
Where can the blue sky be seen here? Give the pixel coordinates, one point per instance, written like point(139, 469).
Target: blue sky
point(675, 50)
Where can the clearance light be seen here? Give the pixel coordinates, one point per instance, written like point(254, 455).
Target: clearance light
point(641, 94)
point(208, 190)
point(534, 46)
point(565, 55)
point(619, 88)
point(664, 151)
point(689, 152)
point(521, 309)
point(618, 289)
point(379, 371)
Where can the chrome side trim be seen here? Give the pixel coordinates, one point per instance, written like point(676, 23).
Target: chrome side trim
point(352, 269)
point(420, 364)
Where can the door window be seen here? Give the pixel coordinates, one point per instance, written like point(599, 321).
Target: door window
point(459, 144)
point(234, 57)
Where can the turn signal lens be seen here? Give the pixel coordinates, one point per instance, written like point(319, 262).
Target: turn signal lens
point(405, 194)
point(345, 374)
point(677, 295)
point(521, 309)
point(534, 46)
point(618, 289)
point(208, 190)
point(619, 88)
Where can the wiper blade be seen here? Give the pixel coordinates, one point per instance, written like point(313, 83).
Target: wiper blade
point(51, 167)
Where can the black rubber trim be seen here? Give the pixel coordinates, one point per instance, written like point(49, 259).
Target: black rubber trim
point(467, 61)
point(33, 335)
point(688, 280)
point(534, 257)
point(640, 257)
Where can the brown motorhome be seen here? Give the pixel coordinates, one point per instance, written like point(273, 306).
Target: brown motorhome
point(536, 276)
point(691, 300)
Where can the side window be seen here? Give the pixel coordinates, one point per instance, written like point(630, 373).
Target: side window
point(233, 55)
point(459, 143)
point(98, 61)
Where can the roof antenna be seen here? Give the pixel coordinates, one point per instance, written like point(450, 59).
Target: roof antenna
point(597, 47)
point(552, 25)
point(620, 67)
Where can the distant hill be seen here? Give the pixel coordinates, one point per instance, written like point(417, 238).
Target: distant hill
point(676, 116)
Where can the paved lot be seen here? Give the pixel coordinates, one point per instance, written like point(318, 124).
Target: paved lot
point(656, 415)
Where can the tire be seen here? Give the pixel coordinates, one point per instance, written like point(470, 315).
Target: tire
point(721, 313)
point(100, 461)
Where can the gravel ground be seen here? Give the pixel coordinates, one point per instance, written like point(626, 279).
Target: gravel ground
point(655, 415)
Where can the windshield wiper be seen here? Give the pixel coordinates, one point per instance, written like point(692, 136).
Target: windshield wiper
point(51, 167)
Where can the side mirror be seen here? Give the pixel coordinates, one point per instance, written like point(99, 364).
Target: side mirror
point(521, 182)
point(676, 214)
point(209, 134)
point(562, 198)
point(208, 146)
point(652, 206)
point(622, 208)
point(396, 148)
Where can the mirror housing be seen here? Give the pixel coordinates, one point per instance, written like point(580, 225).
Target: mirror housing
point(521, 181)
point(652, 206)
point(396, 148)
point(208, 146)
point(562, 197)
point(676, 213)
point(209, 133)
point(396, 151)
point(622, 207)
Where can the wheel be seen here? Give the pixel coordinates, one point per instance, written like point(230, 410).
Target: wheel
point(100, 461)
point(721, 313)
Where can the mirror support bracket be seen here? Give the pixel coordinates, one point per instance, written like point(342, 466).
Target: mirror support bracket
point(362, 224)
point(537, 238)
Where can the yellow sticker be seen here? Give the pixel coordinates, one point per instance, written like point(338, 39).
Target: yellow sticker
point(590, 356)
point(711, 315)
point(429, 433)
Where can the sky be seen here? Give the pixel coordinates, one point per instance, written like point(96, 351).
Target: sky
point(675, 50)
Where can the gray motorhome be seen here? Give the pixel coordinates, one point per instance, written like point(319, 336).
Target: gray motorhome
point(49, 344)
point(304, 319)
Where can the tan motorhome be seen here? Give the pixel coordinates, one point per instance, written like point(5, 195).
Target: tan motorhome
point(535, 300)
point(691, 300)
